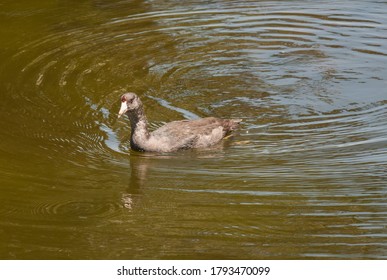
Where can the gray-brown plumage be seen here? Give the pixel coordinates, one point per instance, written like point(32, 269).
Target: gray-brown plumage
point(175, 135)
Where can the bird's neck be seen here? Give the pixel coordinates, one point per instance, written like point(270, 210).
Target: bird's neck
point(139, 128)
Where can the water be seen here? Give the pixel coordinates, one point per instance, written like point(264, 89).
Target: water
point(304, 178)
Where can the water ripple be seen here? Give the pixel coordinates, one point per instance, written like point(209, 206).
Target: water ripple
point(308, 80)
point(77, 209)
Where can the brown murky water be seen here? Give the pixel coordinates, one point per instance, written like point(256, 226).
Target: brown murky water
point(304, 178)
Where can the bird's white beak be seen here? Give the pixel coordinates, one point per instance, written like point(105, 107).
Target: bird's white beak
point(123, 109)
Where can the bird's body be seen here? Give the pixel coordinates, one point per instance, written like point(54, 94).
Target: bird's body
point(175, 135)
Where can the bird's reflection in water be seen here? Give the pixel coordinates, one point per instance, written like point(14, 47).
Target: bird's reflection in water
point(141, 165)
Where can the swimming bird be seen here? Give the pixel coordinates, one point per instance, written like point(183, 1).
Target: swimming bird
point(175, 135)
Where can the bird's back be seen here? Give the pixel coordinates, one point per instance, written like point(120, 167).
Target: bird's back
point(193, 133)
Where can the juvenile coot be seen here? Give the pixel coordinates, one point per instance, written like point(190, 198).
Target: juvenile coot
point(175, 135)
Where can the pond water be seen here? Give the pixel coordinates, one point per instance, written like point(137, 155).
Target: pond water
point(304, 177)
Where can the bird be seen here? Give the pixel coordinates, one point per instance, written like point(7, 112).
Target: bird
point(175, 135)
